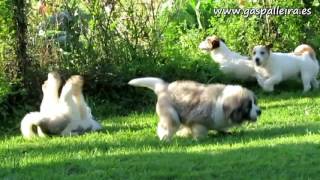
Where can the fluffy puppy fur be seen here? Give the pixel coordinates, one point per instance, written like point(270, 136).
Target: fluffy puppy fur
point(231, 63)
point(283, 66)
point(194, 108)
point(71, 117)
point(72, 102)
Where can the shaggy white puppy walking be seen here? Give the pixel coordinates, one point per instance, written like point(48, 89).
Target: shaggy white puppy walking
point(190, 108)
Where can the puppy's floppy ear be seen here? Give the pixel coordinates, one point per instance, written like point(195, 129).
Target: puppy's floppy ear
point(233, 109)
point(269, 46)
point(229, 105)
point(214, 41)
point(215, 44)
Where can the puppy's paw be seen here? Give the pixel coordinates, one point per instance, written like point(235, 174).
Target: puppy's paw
point(184, 132)
point(163, 133)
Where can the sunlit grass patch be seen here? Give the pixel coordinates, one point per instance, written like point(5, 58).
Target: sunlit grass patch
point(284, 143)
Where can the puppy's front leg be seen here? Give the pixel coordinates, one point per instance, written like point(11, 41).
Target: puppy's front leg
point(260, 80)
point(268, 84)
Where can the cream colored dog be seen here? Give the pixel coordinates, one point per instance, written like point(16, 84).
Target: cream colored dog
point(72, 102)
point(194, 108)
point(71, 116)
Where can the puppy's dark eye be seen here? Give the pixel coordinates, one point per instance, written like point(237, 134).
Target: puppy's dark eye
point(254, 53)
point(262, 52)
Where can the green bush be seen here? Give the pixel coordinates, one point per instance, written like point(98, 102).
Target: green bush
point(5, 90)
point(9, 103)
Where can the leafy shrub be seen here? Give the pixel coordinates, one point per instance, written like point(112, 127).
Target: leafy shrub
point(5, 89)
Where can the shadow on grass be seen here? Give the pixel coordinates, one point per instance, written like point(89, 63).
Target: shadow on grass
point(120, 127)
point(287, 95)
point(284, 161)
point(100, 142)
point(285, 105)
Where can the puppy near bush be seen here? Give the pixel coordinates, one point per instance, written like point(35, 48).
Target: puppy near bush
point(231, 63)
point(283, 66)
point(192, 108)
point(72, 116)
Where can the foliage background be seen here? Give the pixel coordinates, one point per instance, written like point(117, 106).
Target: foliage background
point(110, 42)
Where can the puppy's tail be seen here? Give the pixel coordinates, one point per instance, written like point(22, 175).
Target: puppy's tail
point(153, 83)
point(305, 49)
point(28, 122)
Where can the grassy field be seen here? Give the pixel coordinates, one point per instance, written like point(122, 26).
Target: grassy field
point(283, 144)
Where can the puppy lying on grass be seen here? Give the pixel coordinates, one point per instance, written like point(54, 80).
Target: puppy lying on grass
point(193, 108)
point(70, 115)
point(230, 62)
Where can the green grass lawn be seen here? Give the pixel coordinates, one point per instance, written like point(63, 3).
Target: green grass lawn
point(283, 144)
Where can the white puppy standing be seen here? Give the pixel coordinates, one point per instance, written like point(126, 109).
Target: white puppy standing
point(283, 66)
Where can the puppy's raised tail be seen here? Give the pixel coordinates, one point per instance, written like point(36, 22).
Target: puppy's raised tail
point(305, 49)
point(28, 122)
point(153, 83)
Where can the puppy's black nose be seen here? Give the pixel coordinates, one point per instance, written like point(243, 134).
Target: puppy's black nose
point(257, 61)
point(259, 112)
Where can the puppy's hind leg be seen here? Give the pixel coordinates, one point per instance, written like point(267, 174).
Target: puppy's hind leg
point(306, 80)
point(315, 83)
point(169, 122)
point(40, 132)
